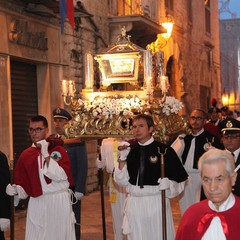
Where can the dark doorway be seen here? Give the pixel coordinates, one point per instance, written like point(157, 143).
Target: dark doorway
point(24, 102)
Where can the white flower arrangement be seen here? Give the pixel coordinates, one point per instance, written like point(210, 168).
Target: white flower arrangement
point(117, 105)
point(171, 106)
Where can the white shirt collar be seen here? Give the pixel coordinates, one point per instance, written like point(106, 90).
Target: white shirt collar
point(200, 132)
point(227, 204)
point(147, 142)
point(236, 153)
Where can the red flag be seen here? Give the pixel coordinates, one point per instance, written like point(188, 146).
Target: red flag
point(70, 12)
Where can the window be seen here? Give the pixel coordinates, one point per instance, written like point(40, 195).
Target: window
point(208, 17)
point(169, 4)
point(189, 8)
point(129, 7)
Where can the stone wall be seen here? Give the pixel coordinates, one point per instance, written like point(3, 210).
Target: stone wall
point(194, 54)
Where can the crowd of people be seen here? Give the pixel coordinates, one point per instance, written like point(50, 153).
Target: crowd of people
point(201, 169)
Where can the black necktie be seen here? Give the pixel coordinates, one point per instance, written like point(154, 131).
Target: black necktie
point(187, 140)
point(141, 167)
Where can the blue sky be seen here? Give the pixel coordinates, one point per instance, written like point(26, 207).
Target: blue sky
point(233, 7)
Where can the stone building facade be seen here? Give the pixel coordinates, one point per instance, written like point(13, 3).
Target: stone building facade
point(230, 61)
point(193, 54)
point(35, 56)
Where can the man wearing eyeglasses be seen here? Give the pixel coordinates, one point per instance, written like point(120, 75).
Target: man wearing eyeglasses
point(189, 149)
point(230, 129)
point(44, 174)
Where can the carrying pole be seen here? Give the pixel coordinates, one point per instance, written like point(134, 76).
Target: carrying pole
point(163, 195)
point(100, 174)
point(12, 203)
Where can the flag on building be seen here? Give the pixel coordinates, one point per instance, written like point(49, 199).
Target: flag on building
point(66, 10)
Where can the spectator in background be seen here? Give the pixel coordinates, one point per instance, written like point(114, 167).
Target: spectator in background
point(5, 210)
point(224, 112)
point(77, 152)
point(214, 116)
point(218, 216)
point(214, 113)
point(238, 115)
point(190, 148)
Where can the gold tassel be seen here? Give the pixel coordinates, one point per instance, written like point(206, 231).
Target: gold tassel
point(113, 197)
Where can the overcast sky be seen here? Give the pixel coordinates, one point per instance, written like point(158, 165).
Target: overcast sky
point(233, 7)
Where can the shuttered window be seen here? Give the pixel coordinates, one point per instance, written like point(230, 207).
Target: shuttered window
point(24, 102)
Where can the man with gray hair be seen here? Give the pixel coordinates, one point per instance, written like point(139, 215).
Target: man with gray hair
point(218, 216)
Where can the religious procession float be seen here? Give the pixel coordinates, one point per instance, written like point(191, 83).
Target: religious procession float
point(132, 81)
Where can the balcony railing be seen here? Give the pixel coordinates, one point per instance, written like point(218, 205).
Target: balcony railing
point(147, 8)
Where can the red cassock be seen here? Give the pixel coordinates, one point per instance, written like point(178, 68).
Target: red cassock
point(26, 170)
point(198, 217)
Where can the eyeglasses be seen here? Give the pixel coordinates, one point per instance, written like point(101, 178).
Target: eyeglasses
point(37, 130)
point(196, 118)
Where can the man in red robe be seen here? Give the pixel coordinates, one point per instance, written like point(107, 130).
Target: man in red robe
point(44, 174)
point(217, 217)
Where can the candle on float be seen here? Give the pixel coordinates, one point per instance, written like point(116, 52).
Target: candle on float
point(164, 84)
point(149, 85)
point(89, 71)
point(147, 65)
point(64, 88)
point(71, 88)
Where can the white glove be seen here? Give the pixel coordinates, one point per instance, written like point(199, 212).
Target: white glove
point(44, 148)
point(11, 190)
point(123, 153)
point(99, 164)
point(164, 183)
point(16, 200)
point(78, 195)
point(4, 224)
point(21, 192)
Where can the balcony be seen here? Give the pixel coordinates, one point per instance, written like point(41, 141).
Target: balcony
point(141, 23)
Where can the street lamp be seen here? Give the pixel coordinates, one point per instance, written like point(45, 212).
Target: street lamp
point(225, 99)
point(163, 38)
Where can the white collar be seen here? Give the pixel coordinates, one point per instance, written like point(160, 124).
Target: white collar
point(198, 133)
point(227, 204)
point(147, 142)
point(236, 153)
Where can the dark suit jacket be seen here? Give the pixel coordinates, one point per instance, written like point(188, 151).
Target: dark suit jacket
point(5, 206)
point(237, 184)
point(77, 153)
